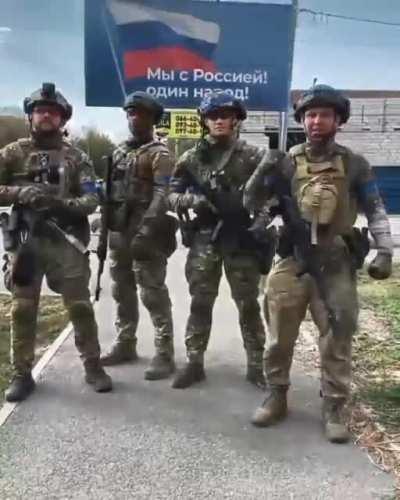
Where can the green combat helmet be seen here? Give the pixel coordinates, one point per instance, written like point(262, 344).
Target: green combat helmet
point(143, 100)
point(325, 96)
point(48, 94)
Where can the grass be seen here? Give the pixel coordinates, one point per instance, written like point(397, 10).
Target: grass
point(52, 319)
point(377, 356)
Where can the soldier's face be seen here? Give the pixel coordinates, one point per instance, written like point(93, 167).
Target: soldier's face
point(221, 123)
point(46, 118)
point(140, 120)
point(320, 124)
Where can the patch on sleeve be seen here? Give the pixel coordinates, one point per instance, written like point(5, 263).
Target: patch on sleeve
point(88, 186)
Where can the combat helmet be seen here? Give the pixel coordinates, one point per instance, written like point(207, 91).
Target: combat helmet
point(146, 101)
point(325, 96)
point(48, 94)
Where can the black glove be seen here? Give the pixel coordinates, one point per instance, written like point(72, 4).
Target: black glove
point(381, 267)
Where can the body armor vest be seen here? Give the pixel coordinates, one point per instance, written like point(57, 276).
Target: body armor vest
point(322, 192)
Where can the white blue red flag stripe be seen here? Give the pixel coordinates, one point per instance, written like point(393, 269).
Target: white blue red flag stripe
point(149, 37)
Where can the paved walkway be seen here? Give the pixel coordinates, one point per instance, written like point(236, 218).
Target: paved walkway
point(148, 441)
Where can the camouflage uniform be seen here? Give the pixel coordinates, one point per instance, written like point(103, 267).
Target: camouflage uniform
point(232, 249)
point(140, 175)
point(290, 292)
point(65, 268)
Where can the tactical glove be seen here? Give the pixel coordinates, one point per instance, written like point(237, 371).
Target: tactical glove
point(381, 267)
point(28, 195)
point(35, 197)
point(195, 201)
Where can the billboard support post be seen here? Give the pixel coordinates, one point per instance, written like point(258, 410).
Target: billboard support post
point(283, 129)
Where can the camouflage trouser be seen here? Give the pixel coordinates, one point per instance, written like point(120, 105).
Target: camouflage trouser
point(203, 273)
point(126, 274)
point(287, 298)
point(67, 272)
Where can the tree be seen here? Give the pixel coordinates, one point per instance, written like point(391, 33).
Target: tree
point(96, 145)
point(11, 129)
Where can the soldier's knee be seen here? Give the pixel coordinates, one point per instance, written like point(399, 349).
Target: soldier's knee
point(202, 303)
point(347, 319)
point(23, 309)
point(153, 297)
point(247, 306)
point(80, 310)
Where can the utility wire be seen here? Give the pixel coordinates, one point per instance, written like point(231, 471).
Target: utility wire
point(347, 18)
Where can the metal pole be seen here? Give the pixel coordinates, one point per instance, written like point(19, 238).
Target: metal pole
point(283, 130)
point(284, 116)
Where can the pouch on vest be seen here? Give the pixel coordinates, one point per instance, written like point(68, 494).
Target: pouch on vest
point(318, 193)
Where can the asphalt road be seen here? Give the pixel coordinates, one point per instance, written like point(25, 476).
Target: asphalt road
point(148, 441)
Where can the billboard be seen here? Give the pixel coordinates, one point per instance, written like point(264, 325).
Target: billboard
point(178, 51)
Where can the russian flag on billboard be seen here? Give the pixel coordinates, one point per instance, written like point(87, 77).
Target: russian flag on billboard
point(148, 37)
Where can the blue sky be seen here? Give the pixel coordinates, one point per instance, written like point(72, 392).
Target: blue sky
point(46, 43)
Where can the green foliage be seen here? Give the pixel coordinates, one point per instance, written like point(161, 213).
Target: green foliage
point(96, 145)
point(379, 359)
point(11, 129)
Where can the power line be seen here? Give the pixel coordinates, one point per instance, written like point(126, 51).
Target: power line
point(322, 14)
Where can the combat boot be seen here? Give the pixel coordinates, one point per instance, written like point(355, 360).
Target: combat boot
point(191, 373)
point(255, 371)
point(161, 366)
point(96, 376)
point(336, 430)
point(22, 385)
point(274, 409)
point(120, 352)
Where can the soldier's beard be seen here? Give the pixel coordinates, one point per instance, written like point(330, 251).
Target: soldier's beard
point(46, 138)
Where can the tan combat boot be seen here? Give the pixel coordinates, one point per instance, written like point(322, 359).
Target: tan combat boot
point(120, 352)
point(274, 409)
point(333, 416)
point(96, 376)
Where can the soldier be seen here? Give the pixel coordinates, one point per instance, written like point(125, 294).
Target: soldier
point(51, 185)
point(209, 179)
point(142, 237)
point(327, 183)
